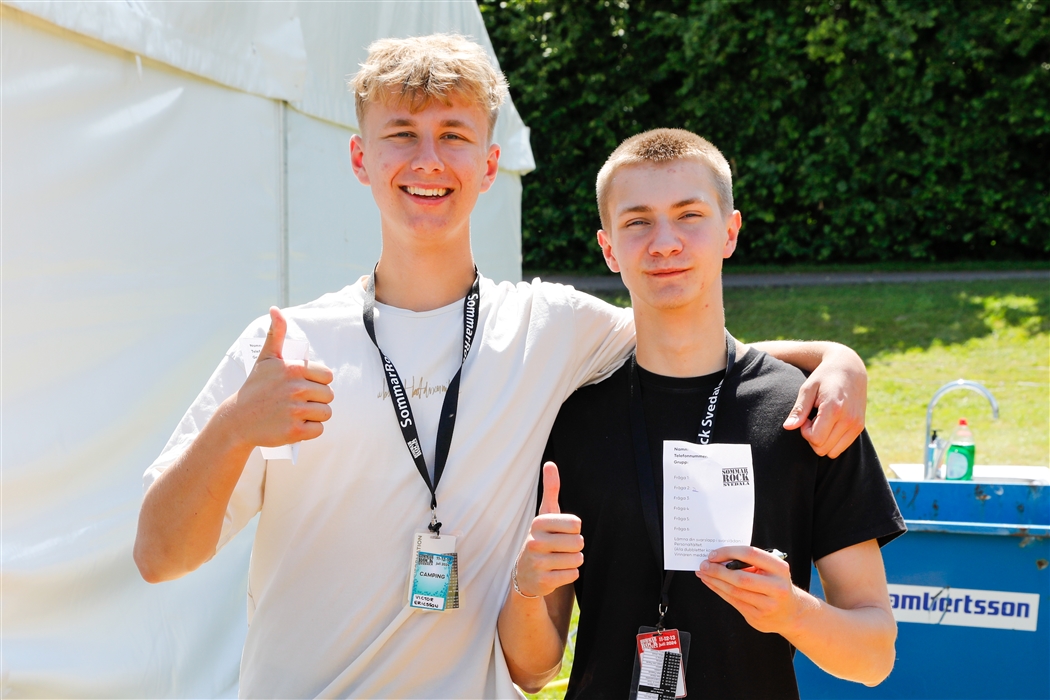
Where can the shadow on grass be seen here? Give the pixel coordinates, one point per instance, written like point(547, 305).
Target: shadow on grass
point(880, 318)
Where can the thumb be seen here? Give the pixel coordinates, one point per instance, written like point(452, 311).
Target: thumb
point(274, 344)
point(807, 395)
point(551, 487)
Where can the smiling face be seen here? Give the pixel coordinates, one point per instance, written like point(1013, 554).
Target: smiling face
point(426, 168)
point(667, 237)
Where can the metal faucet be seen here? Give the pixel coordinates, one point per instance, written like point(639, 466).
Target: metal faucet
point(930, 460)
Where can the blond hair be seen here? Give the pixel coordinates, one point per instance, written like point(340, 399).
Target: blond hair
point(425, 68)
point(661, 146)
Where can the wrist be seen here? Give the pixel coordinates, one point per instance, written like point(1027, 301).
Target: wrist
point(807, 607)
point(843, 356)
point(227, 430)
point(517, 589)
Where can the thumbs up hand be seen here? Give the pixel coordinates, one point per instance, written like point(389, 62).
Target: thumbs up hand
point(274, 342)
point(553, 551)
point(282, 402)
point(551, 489)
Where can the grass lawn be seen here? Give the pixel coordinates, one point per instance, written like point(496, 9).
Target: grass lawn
point(914, 338)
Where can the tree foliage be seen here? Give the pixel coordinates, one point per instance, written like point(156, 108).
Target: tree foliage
point(857, 130)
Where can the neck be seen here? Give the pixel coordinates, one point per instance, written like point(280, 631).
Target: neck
point(684, 342)
point(423, 280)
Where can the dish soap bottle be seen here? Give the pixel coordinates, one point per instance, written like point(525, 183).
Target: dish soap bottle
point(959, 459)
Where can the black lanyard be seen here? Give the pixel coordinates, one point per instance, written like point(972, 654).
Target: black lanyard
point(399, 397)
point(643, 461)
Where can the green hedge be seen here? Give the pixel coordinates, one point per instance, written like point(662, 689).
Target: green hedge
point(858, 130)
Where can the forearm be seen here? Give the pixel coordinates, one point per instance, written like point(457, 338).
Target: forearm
point(532, 642)
point(183, 510)
point(855, 644)
point(804, 354)
point(850, 636)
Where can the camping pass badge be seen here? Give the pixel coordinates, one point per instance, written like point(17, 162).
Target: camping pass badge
point(434, 583)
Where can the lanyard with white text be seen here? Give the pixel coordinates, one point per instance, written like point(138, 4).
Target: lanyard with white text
point(399, 397)
point(643, 461)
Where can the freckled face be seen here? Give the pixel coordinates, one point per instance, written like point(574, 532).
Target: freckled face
point(426, 169)
point(668, 236)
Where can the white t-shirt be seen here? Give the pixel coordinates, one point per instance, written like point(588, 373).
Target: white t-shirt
point(328, 611)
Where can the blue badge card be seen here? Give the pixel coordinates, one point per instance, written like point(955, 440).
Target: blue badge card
point(434, 581)
point(430, 581)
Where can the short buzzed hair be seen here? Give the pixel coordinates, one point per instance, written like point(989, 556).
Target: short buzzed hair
point(662, 146)
point(425, 68)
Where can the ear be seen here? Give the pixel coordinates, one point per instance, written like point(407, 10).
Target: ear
point(357, 159)
point(733, 225)
point(605, 241)
point(491, 167)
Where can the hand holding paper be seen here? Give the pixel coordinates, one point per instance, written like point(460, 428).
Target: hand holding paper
point(553, 551)
point(762, 593)
point(285, 398)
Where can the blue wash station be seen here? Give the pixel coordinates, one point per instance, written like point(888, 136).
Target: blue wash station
point(970, 586)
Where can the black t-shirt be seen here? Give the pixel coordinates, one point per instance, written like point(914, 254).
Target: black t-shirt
point(805, 505)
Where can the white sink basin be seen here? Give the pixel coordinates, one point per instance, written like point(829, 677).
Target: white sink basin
point(983, 473)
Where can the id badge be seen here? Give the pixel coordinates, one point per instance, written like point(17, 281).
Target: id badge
point(659, 665)
point(434, 581)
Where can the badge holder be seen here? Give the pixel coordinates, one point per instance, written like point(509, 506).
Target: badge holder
point(434, 581)
point(659, 664)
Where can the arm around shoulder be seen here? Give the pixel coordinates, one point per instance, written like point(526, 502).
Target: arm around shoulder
point(837, 387)
point(603, 337)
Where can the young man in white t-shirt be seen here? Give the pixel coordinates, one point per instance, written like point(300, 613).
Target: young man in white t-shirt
point(329, 592)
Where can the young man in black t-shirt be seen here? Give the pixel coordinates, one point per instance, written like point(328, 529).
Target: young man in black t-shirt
point(665, 198)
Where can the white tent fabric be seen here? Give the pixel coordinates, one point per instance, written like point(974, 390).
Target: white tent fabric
point(172, 169)
point(260, 47)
